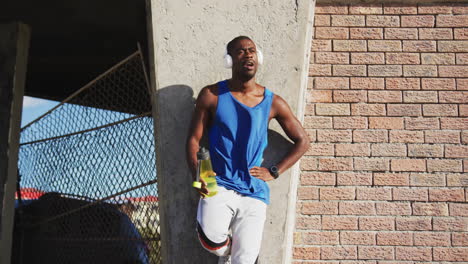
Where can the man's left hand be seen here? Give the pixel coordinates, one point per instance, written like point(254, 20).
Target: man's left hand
point(261, 173)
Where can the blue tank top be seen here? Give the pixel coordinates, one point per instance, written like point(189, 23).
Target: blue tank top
point(238, 138)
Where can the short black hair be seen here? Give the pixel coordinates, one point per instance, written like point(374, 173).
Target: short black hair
point(231, 43)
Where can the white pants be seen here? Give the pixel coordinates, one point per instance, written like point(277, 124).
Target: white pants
point(229, 211)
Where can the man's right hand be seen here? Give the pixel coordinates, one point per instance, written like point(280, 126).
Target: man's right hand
point(203, 191)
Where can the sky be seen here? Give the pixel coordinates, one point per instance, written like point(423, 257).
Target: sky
point(34, 107)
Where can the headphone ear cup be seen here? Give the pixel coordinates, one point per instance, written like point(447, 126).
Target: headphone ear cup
point(260, 57)
point(227, 61)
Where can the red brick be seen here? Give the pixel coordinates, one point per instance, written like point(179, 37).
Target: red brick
point(453, 180)
point(331, 33)
point(385, 96)
point(453, 71)
point(444, 165)
point(349, 122)
point(453, 46)
point(318, 178)
point(356, 208)
point(384, 45)
point(438, 84)
point(349, 70)
point(452, 21)
point(420, 70)
point(331, 83)
point(402, 83)
point(347, 20)
point(320, 70)
point(320, 149)
point(400, 9)
point(453, 97)
point(349, 45)
point(402, 58)
point(454, 123)
point(321, 45)
point(367, 58)
point(394, 239)
point(317, 122)
point(461, 33)
point(413, 223)
point(417, 21)
point(393, 208)
point(320, 208)
point(435, 9)
point(366, 33)
point(462, 58)
point(404, 136)
point(440, 110)
point(446, 195)
point(425, 150)
point(335, 193)
point(367, 193)
point(451, 254)
point(308, 163)
point(409, 194)
point(458, 209)
point(354, 178)
point(339, 222)
point(465, 137)
point(349, 96)
point(368, 109)
point(365, 9)
point(371, 164)
point(404, 109)
point(375, 252)
point(388, 150)
point(408, 165)
point(320, 96)
point(391, 179)
point(308, 193)
point(332, 109)
point(310, 223)
point(336, 164)
point(367, 83)
point(332, 57)
point(434, 209)
point(435, 33)
point(437, 58)
point(306, 253)
point(419, 45)
point(401, 33)
point(376, 223)
point(385, 122)
point(460, 239)
point(385, 70)
point(456, 151)
point(427, 179)
point(322, 20)
point(460, 9)
point(414, 253)
point(450, 224)
point(464, 110)
point(370, 136)
point(331, 9)
point(383, 21)
point(339, 252)
point(357, 238)
point(320, 238)
point(334, 136)
point(420, 96)
point(421, 123)
point(352, 150)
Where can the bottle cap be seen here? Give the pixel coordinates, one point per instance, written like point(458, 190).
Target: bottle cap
point(196, 184)
point(203, 154)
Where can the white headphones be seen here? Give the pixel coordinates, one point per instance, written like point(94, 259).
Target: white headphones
point(228, 58)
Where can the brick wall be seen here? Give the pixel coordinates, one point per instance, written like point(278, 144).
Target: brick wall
point(385, 179)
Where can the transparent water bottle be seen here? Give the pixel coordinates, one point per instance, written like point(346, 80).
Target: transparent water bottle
point(205, 172)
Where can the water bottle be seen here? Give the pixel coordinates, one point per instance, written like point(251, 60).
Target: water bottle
point(205, 172)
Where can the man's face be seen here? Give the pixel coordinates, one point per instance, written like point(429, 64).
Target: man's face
point(244, 58)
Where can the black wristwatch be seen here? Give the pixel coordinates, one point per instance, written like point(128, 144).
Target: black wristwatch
point(274, 172)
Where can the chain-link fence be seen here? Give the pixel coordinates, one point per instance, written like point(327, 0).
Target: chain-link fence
point(87, 171)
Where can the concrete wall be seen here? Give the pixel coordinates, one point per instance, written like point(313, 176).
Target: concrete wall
point(188, 40)
point(385, 178)
point(14, 45)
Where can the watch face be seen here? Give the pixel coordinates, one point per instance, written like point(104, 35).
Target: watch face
point(274, 171)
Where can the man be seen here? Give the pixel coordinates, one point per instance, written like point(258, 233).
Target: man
point(235, 113)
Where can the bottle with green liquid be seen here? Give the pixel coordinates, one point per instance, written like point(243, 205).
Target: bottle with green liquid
point(205, 172)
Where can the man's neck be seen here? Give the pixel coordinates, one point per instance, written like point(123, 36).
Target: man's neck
point(239, 85)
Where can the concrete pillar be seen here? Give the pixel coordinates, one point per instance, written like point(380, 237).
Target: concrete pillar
point(14, 45)
point(188, 39)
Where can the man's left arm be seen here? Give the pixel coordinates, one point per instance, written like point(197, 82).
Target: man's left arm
point(281, 111)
